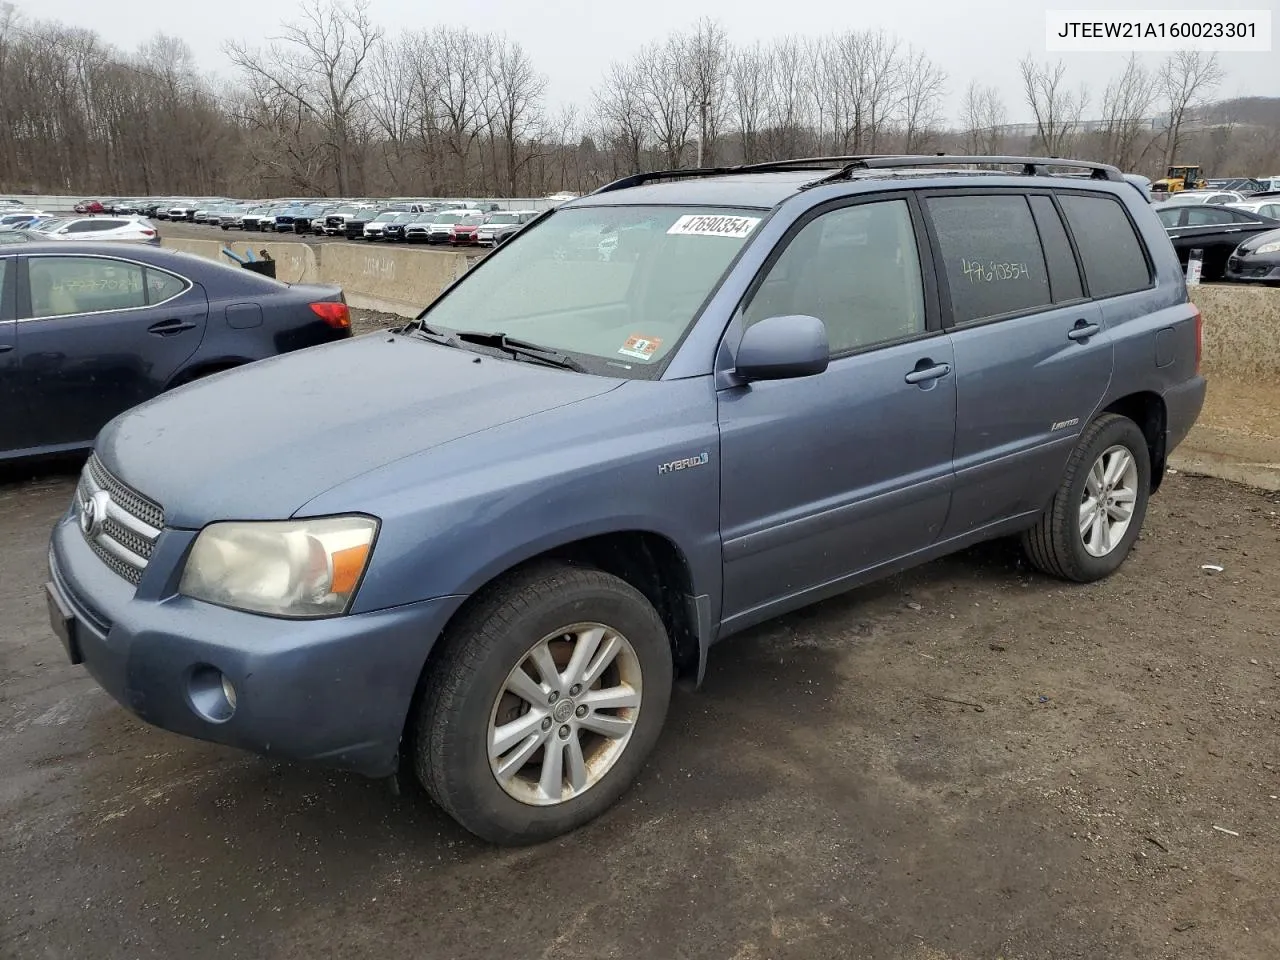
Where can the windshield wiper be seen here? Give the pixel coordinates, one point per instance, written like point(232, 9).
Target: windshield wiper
point(420, 329)
point(521, 349)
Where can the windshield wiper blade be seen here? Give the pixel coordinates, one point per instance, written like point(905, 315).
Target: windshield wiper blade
point(521, 348)
point(432, 334)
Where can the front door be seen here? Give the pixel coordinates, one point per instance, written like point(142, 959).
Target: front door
point(99, 336)
point(828, 476)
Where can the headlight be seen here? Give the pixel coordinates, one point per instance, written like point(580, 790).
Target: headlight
point(1272, 247)
point(292, 568)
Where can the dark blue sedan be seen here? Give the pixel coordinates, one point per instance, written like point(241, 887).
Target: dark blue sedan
point(88, 330)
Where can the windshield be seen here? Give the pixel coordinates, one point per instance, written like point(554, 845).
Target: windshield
point(503, 218)
point(620, 285)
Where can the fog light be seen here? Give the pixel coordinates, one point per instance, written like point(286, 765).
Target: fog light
point(229, 692)
point(211, 694)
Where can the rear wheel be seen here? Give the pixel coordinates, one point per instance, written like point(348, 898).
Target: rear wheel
point(1096, 515)
point(547, 698)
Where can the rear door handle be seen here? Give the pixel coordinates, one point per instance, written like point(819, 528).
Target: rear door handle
point(925, 374)
point(1083, 331)
point(167, 328)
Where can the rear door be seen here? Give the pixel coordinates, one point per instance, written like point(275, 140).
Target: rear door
point(98, 335)
point(1033, 359)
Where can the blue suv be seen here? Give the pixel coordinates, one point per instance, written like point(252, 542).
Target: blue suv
point(481, 548)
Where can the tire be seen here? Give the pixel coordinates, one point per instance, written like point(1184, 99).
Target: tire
point(1057, 544)
point(466, 697)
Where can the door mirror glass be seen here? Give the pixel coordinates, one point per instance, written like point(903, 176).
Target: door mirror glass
point(780, 348)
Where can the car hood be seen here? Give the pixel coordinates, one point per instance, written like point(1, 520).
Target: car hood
point(1257, 240)
point(258, 442)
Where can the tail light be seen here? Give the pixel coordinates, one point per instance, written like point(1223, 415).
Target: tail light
point(334, 313)
point(1199, 338)
point(148, 233)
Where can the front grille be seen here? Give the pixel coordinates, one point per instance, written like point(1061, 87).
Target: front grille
point(119, 524)
point(130, 500)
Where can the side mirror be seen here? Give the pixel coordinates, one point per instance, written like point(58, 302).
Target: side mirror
point(780, 348)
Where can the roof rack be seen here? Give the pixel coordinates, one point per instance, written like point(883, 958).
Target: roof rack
point(1031, 166)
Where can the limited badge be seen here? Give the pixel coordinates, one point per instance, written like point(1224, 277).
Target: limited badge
point(642, 348)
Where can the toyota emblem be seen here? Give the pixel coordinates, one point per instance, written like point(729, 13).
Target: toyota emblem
point(93, 513)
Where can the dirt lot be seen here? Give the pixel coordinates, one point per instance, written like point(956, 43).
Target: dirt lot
point(968, 762)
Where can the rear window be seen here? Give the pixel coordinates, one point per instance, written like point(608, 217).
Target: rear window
point(1114, 262)
point(991, 255)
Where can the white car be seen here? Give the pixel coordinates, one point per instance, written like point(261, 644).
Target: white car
point(19, 219)
point(1216, 197)
point(437, 226)
point(1269, 207)
point(373, 229)
point(500, 225)
point(102, 228)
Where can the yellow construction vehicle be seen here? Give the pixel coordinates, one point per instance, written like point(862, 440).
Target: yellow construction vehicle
point(1185, 177)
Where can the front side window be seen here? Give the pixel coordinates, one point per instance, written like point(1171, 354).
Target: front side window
point(991, 255)
point(620, 285)
point(61, 286)
point(1114, 262)
point(857, 269)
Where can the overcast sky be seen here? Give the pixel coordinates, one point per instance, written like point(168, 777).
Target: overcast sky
point(573, 41)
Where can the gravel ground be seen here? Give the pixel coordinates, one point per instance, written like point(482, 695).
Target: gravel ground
point(966, 762)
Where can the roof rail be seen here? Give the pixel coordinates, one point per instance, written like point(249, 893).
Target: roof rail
point(1031, 166)
point(768, 166)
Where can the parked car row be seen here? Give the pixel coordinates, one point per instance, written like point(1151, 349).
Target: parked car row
point(459, 222)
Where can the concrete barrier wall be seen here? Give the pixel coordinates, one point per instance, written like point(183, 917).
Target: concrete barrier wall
point(1241, 330)
point(398, 280)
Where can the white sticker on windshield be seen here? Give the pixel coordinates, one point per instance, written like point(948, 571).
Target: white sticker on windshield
point(713, 225)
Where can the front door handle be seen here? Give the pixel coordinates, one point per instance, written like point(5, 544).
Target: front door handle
point(1083, 330)
point(166, 328)
point(5, 347)
point(925, 374)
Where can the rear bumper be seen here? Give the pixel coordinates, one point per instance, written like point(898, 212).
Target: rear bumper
point(336, 691)
point(1182, 407)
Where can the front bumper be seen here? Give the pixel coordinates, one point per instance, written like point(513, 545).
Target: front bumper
point(336, 691)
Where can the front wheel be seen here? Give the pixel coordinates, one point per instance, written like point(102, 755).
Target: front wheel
point(547, 698)
point(1096, 514)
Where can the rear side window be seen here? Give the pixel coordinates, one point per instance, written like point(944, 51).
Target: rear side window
point(162, 286)
point(1204, 216)
point(1064, 274)
point(1114, 262)
point(991, 255)
point(61, 286)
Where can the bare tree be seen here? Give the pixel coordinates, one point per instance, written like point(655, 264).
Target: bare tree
point(707, 75)
point(1186, 80)
point(923, 85)
point(750, 78)
point(982, 116)
point(1127, 103)
point(661, 70)
point(320, 64)
point(622, 111)
point(516, 89)
point(1057, 110)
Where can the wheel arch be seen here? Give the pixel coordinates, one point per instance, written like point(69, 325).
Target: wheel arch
point(1147, 410)
point(651, 562)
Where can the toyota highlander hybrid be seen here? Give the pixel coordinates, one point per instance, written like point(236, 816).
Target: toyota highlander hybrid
point(480, 549)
